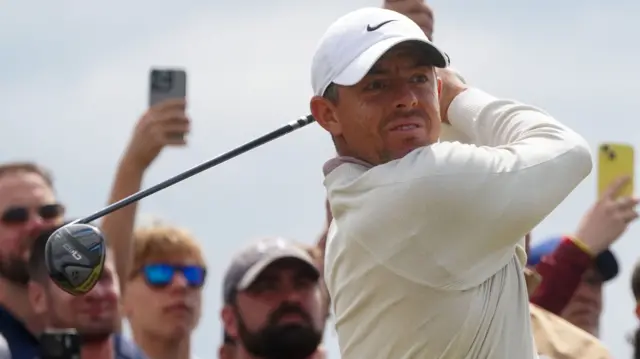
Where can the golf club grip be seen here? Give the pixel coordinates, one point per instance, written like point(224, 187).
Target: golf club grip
point(290, 127)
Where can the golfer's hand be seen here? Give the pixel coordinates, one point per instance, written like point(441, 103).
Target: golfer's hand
point(452, 86)
point(609, 217)
point(416, 10)
point(164, 124)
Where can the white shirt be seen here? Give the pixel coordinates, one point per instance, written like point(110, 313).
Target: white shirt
point(422, 257)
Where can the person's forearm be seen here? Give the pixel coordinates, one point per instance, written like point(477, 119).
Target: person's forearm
point(118, 226)
point(561, 273)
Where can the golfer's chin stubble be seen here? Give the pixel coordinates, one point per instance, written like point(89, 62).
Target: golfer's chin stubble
point(407, 145)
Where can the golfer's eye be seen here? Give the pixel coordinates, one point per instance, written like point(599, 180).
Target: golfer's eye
point(375, 85)
point(303, 283)
point(420, 78)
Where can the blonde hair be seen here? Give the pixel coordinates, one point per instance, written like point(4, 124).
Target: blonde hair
point(163, 242)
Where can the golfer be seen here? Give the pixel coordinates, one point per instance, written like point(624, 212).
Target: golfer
point(425, 254)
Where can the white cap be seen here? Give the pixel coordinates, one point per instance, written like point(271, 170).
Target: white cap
point(353, 44)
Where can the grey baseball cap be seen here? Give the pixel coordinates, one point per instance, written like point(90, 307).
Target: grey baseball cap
point(251, 261)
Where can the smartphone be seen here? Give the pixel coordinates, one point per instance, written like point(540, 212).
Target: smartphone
point(60, 344)
point(615, 160)
point(166, 84)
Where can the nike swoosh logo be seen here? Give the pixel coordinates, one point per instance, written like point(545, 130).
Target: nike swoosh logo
point(374, 28)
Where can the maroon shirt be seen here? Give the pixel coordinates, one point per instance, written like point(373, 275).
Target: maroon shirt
point(561, 273)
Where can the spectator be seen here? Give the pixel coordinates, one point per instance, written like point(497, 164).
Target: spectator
point(585, 304)
point(155, 130)
point(272, 302)
point(556, 338)
point(28, 205)
point(163, 298)
point(228, 348)
point(574, 267)
point(95, 315)
point(426, 230)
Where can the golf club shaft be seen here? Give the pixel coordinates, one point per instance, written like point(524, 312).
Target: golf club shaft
point(290, 127)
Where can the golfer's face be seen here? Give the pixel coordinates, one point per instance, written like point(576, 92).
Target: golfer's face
point(394, 109)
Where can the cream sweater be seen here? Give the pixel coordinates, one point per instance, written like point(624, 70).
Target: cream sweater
point(423, 257)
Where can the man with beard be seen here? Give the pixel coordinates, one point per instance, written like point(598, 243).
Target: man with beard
point(273, 302)
point(228, 348)
point(28, 205)
point(95, 315)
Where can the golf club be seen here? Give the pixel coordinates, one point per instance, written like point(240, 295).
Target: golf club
point(75, 253)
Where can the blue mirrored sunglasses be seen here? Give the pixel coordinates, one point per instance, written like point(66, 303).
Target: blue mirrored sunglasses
point(160, 275)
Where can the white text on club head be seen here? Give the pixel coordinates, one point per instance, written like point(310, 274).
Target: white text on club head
point(72, 251)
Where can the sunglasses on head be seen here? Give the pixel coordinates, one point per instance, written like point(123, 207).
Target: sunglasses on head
point(21, 214)
point(161, 274)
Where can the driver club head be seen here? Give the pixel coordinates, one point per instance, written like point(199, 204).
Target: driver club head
point(75, 256)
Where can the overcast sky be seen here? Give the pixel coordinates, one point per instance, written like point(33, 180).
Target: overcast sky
point(74, 81)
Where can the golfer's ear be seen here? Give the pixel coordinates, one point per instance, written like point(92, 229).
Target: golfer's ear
point(324, 112)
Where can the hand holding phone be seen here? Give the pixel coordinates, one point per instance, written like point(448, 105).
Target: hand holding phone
point(167, 84)
point(615, 209)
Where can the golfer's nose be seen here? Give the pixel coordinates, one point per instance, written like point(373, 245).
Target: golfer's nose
point(405, 97)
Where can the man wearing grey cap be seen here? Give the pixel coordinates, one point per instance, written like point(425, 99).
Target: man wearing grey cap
point(425, 254)
point(272, 301)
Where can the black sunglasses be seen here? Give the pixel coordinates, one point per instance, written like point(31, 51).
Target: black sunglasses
point(21, 214)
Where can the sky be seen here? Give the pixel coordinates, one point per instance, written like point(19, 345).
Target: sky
point(74, 82)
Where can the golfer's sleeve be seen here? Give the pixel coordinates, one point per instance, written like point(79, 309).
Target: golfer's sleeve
point(458, 210)
point(521, 166)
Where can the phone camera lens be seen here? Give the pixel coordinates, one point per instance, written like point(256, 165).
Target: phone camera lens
point(162, 81)
point(612, 155)
point(605, 148)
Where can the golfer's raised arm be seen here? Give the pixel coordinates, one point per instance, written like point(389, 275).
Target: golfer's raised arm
point(464, 207)
point(522, 165)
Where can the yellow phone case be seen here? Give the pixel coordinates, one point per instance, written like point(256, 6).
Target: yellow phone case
point(615, 160)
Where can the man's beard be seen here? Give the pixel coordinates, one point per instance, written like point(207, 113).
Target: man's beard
point(15, 267)
point(281, 341)
point(15, 270)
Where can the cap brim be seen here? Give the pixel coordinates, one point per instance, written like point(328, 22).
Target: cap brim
point(255, 271)
point(359, 67)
